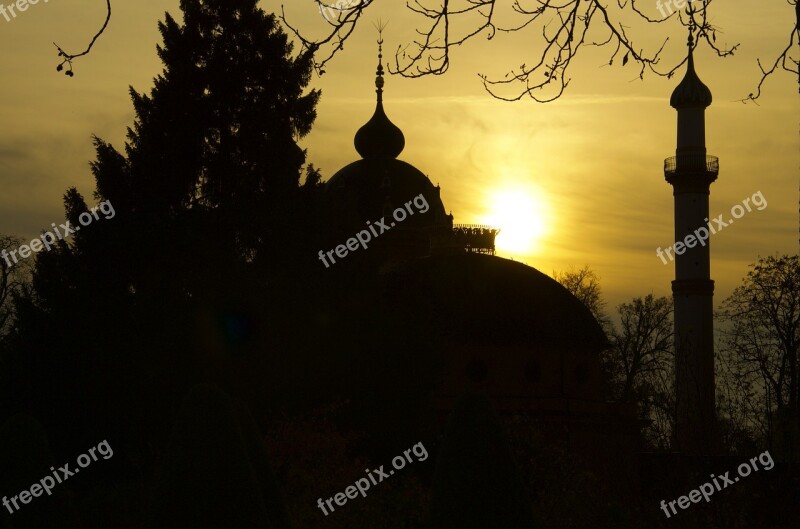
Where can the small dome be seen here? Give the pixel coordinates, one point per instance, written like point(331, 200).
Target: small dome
point(691, 92)
point(379, 137)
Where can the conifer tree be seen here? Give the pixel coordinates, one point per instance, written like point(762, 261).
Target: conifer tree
point(207, 187)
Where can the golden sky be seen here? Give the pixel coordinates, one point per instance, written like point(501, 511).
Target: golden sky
point(578, 181)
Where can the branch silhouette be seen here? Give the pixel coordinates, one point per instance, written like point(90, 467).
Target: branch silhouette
point(784, 61)
point(69, 57)
point(566, 26)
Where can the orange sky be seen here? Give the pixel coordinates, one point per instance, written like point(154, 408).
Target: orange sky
point(584, 173)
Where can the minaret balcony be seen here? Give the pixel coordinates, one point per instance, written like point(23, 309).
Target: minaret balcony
point(691, 163)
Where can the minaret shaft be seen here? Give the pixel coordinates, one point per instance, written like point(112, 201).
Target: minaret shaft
point(690, 173)
point(691, 132)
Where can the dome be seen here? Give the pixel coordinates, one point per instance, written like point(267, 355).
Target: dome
point(379, 137)
point(486, 299)
point(500, 328)
point(371, 188)
point(691, 92)
point(379, 183)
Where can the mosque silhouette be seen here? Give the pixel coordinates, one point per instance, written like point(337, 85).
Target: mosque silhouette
point(503, 330)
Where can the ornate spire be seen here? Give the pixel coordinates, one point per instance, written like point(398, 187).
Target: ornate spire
point(379, 137)
point(691, 92)
point(379, 72)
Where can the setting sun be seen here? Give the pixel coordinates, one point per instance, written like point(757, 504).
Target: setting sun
point(522, 217)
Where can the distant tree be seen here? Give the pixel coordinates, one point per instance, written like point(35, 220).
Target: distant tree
point(638, 366)
point(644, 356)
point(477, 483)
point(644, 340)
point(744, 425)
point(584, 284)
point(761, 345)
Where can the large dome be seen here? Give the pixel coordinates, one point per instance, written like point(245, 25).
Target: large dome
point(504, 329)
point(491, 300)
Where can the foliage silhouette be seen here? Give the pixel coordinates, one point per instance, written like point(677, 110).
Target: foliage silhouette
point(25, 458)
point(210, 218)
point(215, 472)
point(477, 484)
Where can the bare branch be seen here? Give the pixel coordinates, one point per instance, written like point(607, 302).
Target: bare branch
point(68, 57)
point(565, 27)
point(781, 61)
point(346, 15)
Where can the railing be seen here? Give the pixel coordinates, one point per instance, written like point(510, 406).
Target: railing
point(475, 227)
point(691, 163)
point(475, 238)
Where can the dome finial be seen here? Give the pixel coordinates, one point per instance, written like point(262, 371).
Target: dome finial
point(380, 26)
point(379, 137)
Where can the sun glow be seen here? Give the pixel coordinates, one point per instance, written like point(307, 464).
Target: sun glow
point(523, 218)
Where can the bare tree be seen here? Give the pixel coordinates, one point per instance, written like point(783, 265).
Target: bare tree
point(644, 358)
point(566, 27)
point(639, 364)
point(742, 408)
point(644, 342)
point(763, 343)
point(584, 284)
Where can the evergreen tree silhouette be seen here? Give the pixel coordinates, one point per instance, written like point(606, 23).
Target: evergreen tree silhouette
point(207, 206)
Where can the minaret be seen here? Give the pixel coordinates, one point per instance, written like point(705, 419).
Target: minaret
point(691, 172)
